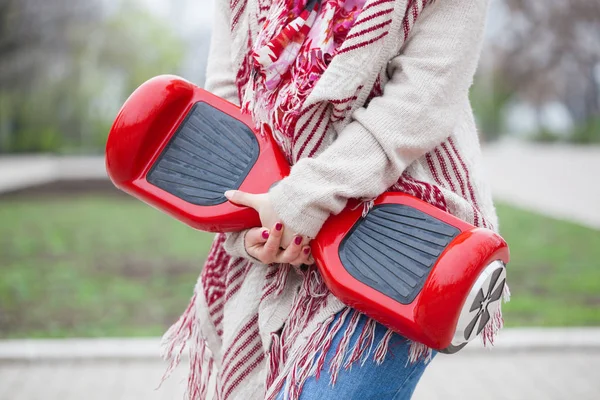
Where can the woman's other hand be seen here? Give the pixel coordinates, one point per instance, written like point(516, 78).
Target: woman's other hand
point(265, 245)
point(268, 216)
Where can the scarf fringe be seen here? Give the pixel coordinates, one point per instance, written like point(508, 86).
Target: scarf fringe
point(302, 369)
point(342, 349)
point(274, 358)
point(200, 369)
point(364, 342)
point(488, 335)
point(320, 362)
point(382, 348)
point(310, 359)
point(186, 332)
point(417, 352)
point(367, 206)
point(506, 294)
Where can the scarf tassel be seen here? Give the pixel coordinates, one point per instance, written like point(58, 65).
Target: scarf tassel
point(186, 332)
point(310, 359)
point(496, 323)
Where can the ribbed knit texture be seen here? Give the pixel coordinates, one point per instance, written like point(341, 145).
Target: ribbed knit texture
point(419, 109)
point(391, 111)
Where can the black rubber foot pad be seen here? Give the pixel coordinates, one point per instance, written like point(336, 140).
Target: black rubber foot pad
point(210, 153)
point(393, 249)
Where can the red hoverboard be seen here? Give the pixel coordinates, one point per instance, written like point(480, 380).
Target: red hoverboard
point(416, 269)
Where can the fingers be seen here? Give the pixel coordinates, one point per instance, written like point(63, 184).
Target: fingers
point(289, 237)
point(265, 246)
point(254, 241)
point(292, 252)
point(256, 237)
point(242, 198)
point(304, 257)
point(270, 250)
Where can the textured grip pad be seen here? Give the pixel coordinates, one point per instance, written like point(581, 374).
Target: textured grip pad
point(210, 153)
point(394, 248)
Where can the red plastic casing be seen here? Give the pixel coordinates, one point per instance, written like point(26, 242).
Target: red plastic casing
point(151, 116)
point(432, 317)
point(142, 129)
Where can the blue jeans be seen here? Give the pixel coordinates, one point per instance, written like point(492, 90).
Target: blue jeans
point(394, 379)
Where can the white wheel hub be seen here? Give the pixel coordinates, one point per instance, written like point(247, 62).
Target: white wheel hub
point(482, 303)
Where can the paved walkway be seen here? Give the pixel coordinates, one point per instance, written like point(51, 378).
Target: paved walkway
point(526, 364)
point(554, 180)
point(545, 375)
point(20, 172)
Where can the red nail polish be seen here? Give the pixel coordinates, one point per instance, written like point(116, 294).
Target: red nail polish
point(306, 250)
point(265, 234)
point(279, 226)
point(298, 240)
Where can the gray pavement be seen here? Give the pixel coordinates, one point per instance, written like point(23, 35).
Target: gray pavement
point(526, 363)
point(63, 350)
point(557, 180)
point(551, 374)
point(21, 172)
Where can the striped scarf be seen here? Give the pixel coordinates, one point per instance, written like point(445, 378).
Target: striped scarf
point(249, 366)
point(296, 43)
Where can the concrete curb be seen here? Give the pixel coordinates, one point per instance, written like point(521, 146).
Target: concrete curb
point(509, 340)
point(21, 172)
point(79, 349)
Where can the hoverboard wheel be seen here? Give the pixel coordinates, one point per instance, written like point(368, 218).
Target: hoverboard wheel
point(482, 303)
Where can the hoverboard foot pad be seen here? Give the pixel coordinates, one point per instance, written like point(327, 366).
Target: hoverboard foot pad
point(211, 152)
point(394, 248)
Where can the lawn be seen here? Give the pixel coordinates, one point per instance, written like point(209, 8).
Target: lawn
point(93, 266)
point(554, 273)
point(111, 266)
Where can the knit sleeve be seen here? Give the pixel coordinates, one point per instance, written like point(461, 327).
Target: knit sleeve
point(220, 80)
point(417, 112)
point(220, 77)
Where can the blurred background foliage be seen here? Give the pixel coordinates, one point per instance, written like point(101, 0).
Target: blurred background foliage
point(540, 71)
point(67, 65)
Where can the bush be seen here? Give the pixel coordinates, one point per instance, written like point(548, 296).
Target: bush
point(588, 133)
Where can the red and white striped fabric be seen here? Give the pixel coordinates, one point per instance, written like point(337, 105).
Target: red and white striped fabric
point(258, 329)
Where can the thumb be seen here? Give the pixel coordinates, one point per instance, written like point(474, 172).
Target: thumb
point(242, 198)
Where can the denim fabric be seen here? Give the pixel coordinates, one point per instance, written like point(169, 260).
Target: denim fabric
point(394, 379)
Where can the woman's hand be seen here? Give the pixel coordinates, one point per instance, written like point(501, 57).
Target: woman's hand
point(268, 216)
point(265, 245)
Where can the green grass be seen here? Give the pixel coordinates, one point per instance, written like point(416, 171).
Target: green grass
point(554, 273)
point(93, 266)
point(111, 266)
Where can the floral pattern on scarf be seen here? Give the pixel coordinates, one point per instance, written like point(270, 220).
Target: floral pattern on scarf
point(294, 47)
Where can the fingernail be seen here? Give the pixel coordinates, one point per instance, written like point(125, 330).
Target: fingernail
point(307, 250)
point(279, 226)
point(229, 193)
point(298, 239)
point(265, 234)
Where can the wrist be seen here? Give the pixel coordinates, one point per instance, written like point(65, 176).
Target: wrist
point(296, 214)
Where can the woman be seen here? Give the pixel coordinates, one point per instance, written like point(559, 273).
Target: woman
point(362, 96)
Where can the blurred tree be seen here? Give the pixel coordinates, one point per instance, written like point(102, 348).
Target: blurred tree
point(137, 46)
point(35, 34)
point(34, 44)
point(66, 66)
point(550, 51)
point(489, 98)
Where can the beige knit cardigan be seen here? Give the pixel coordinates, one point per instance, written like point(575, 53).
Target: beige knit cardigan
point(417, 134)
